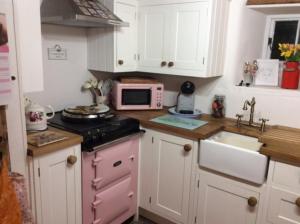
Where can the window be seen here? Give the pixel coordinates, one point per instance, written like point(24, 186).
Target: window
point(282, 30)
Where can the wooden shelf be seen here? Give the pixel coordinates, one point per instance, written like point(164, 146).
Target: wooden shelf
point(274, 9)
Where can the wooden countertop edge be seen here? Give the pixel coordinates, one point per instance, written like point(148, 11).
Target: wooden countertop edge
point(280, 155)
point(72, 140)
point(192, 135)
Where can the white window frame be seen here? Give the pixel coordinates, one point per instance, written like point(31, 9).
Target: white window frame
point(270, 29)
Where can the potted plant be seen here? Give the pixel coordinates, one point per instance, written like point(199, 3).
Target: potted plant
point(290, 75)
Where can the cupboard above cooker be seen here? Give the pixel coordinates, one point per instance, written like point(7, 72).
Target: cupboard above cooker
point(173, 37)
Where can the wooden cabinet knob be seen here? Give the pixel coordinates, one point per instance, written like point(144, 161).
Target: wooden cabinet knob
point(163, 63)
point(13, 78)
point(187, 147)
point(252, 201)
point(298, 202)
point(120, 62)
point(171, 64)
point(71, 160)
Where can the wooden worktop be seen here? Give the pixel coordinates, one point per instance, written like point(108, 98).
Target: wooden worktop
point(72, 139)
point(280, 143)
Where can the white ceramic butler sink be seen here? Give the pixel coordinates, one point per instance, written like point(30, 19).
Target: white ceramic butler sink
point(235, 155)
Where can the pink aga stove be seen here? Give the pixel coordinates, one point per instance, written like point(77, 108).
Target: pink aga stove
point(109, 183)
point(109, 166)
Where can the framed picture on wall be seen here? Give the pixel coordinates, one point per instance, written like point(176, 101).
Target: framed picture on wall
point(267, 73)
point(5, 80)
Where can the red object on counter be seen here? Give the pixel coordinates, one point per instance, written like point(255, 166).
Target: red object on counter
point(290, 75)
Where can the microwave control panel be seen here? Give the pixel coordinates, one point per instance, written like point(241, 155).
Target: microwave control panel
point(159, 97)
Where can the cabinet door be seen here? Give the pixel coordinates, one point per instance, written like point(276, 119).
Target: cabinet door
point(221, 201)
point(126, 39)
point(282, 208)
point(146, 164)
point(188, 37)
point(60, 187)
point(29, 42)
point(171, 177)
point(153, 38)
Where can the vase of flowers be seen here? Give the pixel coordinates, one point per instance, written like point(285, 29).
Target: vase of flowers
point(290, 75)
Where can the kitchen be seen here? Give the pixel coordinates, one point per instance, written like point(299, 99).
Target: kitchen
point(61, 87)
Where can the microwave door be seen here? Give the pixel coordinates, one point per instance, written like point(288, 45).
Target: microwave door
point(136, 97)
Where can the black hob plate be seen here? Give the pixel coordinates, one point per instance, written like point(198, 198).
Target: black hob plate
point(97, 132)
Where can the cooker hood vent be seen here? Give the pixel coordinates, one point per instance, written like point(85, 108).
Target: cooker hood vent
point(80, 13)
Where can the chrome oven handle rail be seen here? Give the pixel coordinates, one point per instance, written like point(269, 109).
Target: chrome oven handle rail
point(115, 142)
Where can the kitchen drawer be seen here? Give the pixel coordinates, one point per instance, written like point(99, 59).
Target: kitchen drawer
point(114, 163)
point(114, 202)
point(287, 176)
point(282, 208)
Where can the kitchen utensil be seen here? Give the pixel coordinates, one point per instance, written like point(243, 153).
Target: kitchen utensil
point(186, 99)
point(36, 116)
point(107, 86)
point(100, 84)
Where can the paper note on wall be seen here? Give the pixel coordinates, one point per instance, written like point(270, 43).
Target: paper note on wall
point(5, 80)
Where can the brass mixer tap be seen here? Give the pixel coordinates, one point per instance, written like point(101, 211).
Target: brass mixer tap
point(251, 122)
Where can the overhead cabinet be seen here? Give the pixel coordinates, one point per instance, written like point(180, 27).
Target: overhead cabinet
point(115, 49)
point(182, 37)
point(167, 37)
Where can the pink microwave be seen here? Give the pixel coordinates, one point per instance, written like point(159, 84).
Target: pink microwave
point(136, 96)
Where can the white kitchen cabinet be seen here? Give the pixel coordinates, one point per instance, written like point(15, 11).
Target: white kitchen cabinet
point(27, 22)
point(226, 201)
point(57, 186)
point(166, 175)
point(115, 49)
point(182, 37)
point(283, 194)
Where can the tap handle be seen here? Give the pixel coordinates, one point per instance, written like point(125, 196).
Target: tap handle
point(264, 120)
point(239, 116)
point(239, 120)
point(263, 124)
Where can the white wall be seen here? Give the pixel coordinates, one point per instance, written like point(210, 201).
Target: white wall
point(245, 38)
point(63, 79)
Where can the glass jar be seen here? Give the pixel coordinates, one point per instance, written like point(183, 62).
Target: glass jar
point(218, 106)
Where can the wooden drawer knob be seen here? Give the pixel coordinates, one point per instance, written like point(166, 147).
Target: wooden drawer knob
point(252, 201)
point(71, 160)
point(171, 64)
point(120, 62)
point(298, 202)
point(187, 147)
point(163, 63)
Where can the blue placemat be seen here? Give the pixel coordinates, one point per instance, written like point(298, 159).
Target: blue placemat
point(179, 122)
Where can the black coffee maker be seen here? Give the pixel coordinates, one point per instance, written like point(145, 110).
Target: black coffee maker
point(186, 98)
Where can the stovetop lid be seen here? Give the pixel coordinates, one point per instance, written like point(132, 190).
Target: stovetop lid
point(58, 121)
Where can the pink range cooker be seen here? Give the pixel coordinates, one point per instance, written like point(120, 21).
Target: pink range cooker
point(109, 167)
point(109, 184)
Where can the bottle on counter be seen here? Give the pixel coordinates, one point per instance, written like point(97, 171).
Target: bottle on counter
point(218, 106)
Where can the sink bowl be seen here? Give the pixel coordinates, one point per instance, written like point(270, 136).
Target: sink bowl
point(235, 155)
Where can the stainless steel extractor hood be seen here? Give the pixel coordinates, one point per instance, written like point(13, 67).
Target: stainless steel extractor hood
point(81, 13)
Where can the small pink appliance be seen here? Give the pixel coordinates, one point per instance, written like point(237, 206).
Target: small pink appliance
point(137, 96)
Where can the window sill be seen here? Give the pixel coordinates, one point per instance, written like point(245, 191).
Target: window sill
point(267, 90)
